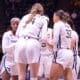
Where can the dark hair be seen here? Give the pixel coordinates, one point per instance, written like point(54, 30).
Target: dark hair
point(71, 23)
point(69, 20)
point(66, 16)
point(60, 14)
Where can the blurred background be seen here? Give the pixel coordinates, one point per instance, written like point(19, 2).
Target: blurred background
point(18, 8)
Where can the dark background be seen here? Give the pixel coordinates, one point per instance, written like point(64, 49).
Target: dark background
point(18, 8)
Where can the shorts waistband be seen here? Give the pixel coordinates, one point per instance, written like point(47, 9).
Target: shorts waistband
point(29, 37)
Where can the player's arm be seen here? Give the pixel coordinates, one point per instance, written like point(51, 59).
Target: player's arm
point(56, 32)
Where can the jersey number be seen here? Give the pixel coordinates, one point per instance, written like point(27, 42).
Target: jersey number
point(68, 34)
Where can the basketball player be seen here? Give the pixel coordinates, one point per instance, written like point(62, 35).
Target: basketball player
point(46, 57)
point(63, 55)
point(8, 43)
point(74, 46)
point(28, 46)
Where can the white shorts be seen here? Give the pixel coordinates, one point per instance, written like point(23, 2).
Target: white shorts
point(65, 58)
point(45, 65)
point(27, 51)
point(8, 65)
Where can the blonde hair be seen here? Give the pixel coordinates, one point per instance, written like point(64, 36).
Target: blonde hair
point(37, 8)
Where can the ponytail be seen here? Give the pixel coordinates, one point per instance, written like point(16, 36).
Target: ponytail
point(37, 8)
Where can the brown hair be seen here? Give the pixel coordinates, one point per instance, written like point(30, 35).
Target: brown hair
point(69, 20)
point(60, 14)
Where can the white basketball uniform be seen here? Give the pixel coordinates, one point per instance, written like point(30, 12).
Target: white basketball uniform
point(46, 57)
point(62, 38)
point(28, 46)
point(76, 61)
point(8, 45)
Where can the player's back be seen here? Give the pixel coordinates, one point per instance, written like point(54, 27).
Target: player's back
point(66, 32)
point(65, 35)
point(34, 28)
point(62, 35)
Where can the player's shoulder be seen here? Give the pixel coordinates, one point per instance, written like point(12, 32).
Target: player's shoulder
point(45, 17)
point(42, 18)
point(26, 16)
point(7, 33)
point(74, 34)
point(59, 25)
point(68, 25)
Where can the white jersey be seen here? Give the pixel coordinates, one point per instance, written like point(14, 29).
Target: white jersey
point(62, 35)
point(33, 28)
point(8, 43)
point(47, 50)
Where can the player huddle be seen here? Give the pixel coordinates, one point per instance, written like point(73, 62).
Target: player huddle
point(52, 52)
